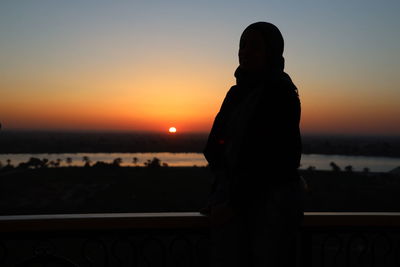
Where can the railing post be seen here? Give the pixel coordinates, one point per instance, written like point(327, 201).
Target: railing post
point(306, 248)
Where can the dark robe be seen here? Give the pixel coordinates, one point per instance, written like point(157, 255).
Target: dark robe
point(268, 149)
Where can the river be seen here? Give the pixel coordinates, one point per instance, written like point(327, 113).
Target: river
point(319, 161)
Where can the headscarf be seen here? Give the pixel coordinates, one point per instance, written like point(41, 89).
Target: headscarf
point(274, 46)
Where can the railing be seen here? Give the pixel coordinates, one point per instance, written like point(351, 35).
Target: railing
point(183, 239)
point(351, 239)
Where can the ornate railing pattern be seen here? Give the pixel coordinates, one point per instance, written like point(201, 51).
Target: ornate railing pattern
point(141, 239)
point(183, 239)
point(351, 239)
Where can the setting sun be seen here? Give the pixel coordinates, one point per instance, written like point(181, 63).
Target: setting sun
point(172, 130)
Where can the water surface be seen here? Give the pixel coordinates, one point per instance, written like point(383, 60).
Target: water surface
point(319, 161)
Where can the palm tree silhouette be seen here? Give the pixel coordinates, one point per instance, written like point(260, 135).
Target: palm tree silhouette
point(87, 161)
point(335, 167)
point(349, 168)
point(153, 163)
point(117, 162)
point(34, 163)
point(44, 163)
point(58, 162)
point(69, 161)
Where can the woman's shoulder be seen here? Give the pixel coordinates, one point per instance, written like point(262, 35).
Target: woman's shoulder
point(287, 86)
point(234, 90)
point(232, 97)
point(281, 88)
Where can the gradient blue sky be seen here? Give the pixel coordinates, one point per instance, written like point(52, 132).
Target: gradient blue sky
point(148, 65)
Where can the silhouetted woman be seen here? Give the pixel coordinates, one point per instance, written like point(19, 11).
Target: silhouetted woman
point(254, 149)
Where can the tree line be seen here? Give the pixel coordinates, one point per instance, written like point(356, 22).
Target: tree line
point(37, 163)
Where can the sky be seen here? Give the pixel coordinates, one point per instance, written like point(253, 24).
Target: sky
point(149, 65)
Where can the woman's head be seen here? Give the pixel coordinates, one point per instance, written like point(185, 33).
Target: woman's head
point(261, 48)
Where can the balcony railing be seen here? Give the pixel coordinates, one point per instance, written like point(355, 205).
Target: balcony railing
point(183, 239)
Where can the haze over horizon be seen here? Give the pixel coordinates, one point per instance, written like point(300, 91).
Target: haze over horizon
point(148, 66)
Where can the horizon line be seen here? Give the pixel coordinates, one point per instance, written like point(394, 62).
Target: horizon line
point(149, 132)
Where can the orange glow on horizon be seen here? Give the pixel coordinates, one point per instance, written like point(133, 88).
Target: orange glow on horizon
point(183, 98)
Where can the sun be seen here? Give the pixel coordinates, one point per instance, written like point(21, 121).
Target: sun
point(172, 130)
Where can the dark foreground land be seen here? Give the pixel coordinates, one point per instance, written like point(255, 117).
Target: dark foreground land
point(143, 189)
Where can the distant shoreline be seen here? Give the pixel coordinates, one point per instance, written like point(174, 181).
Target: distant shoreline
point(55, 142)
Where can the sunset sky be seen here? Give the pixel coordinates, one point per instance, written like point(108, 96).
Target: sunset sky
point(150, 65)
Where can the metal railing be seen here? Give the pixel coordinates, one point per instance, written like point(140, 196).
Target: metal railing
point(351, 239)
point(183, 239)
